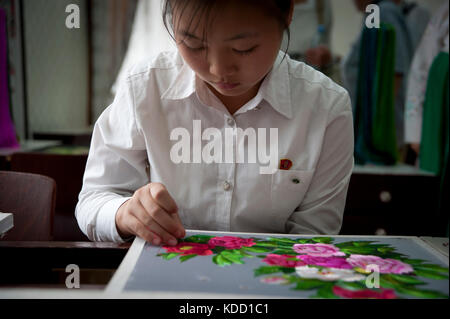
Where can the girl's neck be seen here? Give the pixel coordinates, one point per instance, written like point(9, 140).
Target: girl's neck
point(234, 103)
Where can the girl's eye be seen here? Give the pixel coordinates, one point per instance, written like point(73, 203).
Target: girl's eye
point(194, 48)
point(245, 52)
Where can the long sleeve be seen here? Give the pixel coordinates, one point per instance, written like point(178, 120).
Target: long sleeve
point(114, 170)
point(323, 206)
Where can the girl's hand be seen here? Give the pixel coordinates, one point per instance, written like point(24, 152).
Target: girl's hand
point(151, 214)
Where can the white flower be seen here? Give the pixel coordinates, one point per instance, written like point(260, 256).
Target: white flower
point(328, 274)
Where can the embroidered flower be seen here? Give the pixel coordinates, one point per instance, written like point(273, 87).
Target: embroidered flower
point(328, 274)
point(231, 242)
point(330, 262)
point(366, 293)
point(318, 250)
point(283, 260)
point(274, 280)
point(186, 248)
point(386, 266)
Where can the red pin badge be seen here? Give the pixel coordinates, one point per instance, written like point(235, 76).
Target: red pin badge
point(285, 164)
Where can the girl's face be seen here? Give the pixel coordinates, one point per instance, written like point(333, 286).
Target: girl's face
point(241, 47)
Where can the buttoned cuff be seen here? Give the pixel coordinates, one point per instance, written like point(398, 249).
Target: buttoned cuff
point(106, 221)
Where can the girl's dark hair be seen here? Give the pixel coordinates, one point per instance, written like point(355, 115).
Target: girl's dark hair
point(279, 9)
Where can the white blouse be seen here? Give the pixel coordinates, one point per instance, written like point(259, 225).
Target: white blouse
point(135, 141)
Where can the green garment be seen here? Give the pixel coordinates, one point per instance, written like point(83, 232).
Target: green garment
point(383, 124)
point(435, 123)
point(434, 145)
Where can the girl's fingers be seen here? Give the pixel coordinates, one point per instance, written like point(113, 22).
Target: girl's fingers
point(141, 213)
point(162, 217)
point(181, 232)
point(162, 197)
point(140, 230)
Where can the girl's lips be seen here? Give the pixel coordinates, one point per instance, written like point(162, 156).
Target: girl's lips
point(226, 86)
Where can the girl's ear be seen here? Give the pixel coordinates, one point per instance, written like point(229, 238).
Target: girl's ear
point(291, 12)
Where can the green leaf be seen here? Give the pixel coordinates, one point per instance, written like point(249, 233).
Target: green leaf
point(266, 244)
point(412, 261)
point(254, 249)
point(387, 282)
point(232, 256)
point(169, 256)
point(326, 292)
point(305, 241)
point(409, 280)
point(308, 284)
point(287, 270)
point(386, 249)
point(430, 274)
point(221, 261)
point(359, 250)
point(245, 254)
point(283, 240)
point(187, 257)
point(351, 285)
point(265, 270)
point(361, 243)
point(323, 240)
point(432, 267)
point(218, 249)
point(412, 291)
point(201, 239)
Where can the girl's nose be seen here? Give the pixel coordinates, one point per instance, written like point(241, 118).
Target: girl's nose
point(222, 66)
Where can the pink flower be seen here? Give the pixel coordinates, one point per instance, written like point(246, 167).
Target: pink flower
point(366, 293)
point(231, 242)
point(186, 248)
point(274, 280)
point(318, 250)
point(386, 266)
point(283, 260)
point(330, 262)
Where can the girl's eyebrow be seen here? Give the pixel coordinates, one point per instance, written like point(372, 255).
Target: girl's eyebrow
point(239, 36)
point(243, 35)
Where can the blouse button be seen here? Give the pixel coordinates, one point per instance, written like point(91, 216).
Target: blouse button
point(226, 186)
point(230, 122)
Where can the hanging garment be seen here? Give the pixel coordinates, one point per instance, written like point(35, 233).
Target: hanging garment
point(7, 132)
point(375, 131)
point(435, 126)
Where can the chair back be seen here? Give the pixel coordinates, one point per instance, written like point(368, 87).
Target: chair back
point(31, 199)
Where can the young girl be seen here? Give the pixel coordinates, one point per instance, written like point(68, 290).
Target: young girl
point(162, 158)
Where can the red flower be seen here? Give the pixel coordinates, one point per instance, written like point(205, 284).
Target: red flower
point(186, 248)
point(231, 242)
point(283, 260)
point(364, 294)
